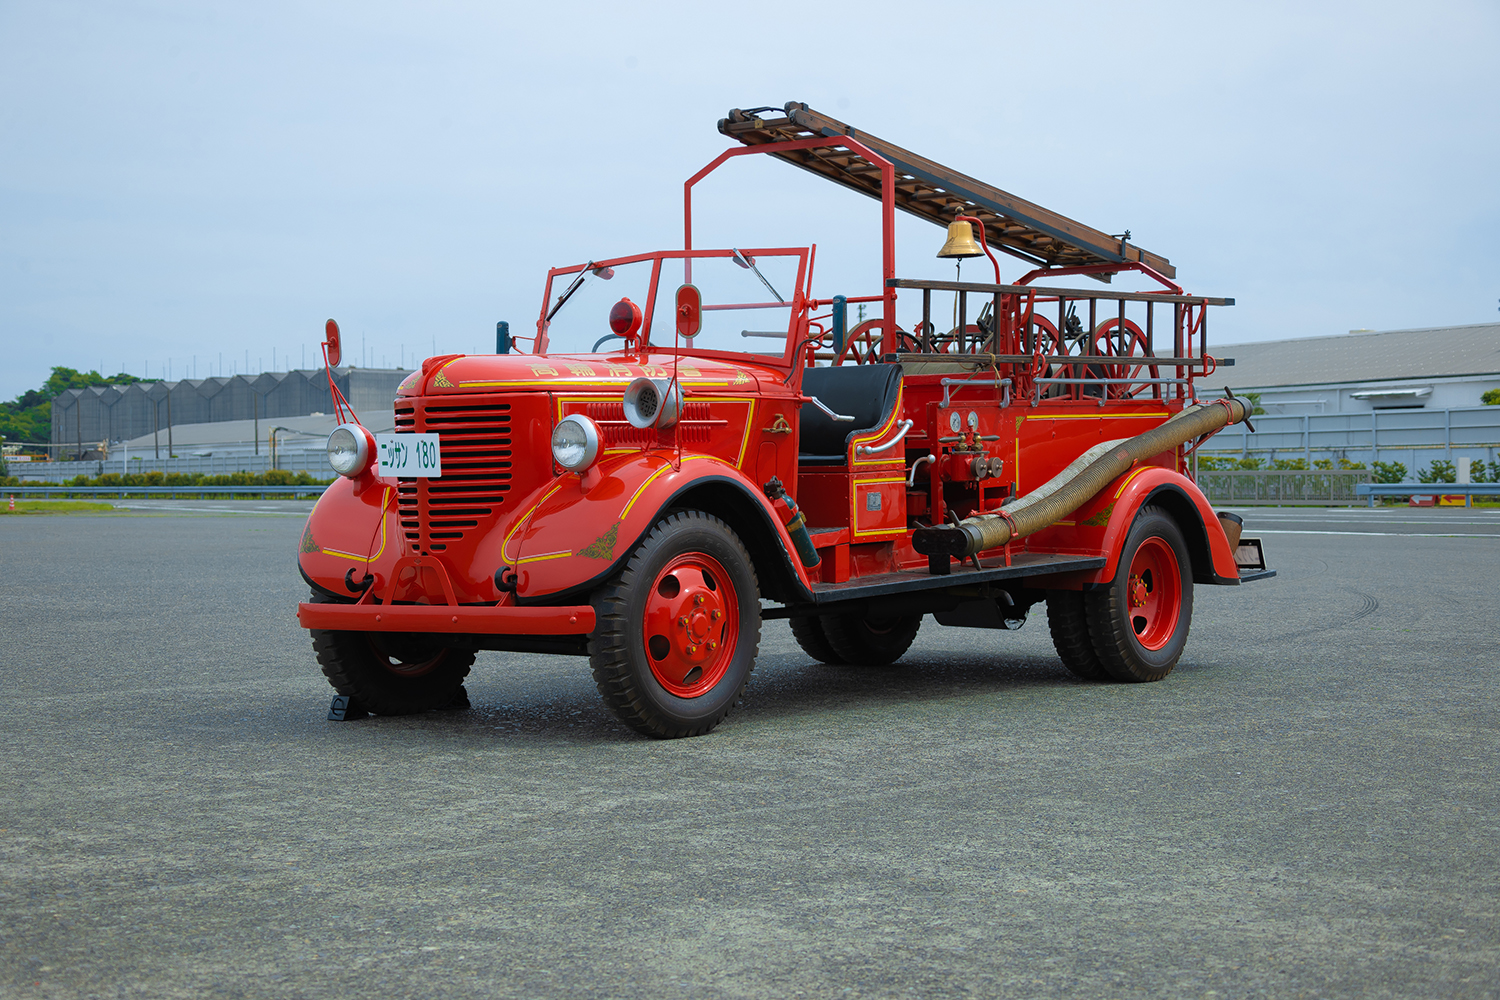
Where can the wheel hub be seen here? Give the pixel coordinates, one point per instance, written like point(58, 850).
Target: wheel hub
point(691, 621)
point(1154, 592)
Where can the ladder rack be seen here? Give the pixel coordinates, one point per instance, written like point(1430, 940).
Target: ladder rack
point(937, 193)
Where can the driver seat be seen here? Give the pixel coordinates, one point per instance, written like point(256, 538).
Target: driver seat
point(866, 392)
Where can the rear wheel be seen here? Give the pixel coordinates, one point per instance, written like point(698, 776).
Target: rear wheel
point(810, 636)
point(1070, 635)
point(392, 673)
point(1139, 622)
point(678, 629)
point(857, 639)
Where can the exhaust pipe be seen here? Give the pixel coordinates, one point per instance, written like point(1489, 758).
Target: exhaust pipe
point(1075, 485)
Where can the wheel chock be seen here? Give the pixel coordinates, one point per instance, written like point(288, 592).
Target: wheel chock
point(345, 709)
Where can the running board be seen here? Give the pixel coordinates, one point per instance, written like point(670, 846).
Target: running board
point(826, 596)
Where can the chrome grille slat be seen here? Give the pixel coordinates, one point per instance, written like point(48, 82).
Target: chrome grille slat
point(475, 440)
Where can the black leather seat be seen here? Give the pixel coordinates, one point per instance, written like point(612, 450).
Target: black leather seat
point(866, 392)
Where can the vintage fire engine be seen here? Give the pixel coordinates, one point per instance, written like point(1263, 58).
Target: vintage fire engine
point(689, 433)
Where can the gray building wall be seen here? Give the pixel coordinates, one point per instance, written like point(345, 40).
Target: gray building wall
point(119, 413)
point(1364, 371)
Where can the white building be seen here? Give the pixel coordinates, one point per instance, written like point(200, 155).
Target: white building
point(1440, 368)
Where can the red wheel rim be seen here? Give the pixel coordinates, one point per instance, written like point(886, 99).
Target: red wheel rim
point(692, 624)
point(1153, 593)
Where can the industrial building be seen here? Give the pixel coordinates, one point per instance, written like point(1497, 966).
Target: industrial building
point(248, 406)
point(1363, 370)
point(1409, 396)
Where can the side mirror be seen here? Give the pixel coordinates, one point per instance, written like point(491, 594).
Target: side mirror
point(332, 348)
point(689, 310)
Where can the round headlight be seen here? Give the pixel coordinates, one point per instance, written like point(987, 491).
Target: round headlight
point(575, 442)
point(348, 450)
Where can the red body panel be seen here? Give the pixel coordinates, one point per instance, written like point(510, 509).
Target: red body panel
point(1099, 527)
point(574, 535)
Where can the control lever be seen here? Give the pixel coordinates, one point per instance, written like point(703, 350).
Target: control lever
point(814, 400)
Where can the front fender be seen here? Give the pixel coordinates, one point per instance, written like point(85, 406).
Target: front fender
point(1213, 562)
point(349, 529)
point(575, 539)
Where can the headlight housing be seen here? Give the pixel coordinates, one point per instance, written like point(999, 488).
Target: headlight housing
point(575, 442)
point(349, 450)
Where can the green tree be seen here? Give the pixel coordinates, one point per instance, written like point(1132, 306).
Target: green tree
point(1440, 471)
point(1491, 397)
point(28, 418)
point(1389, 472)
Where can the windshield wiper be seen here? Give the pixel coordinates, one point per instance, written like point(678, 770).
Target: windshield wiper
point(562, 299)
point(744, 261)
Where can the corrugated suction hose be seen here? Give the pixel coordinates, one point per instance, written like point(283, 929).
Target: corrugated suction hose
point(1077, 484)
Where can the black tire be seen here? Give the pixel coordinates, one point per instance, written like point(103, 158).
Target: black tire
point(391, 673)
point(653, 694)
point(875, 641)
point(1068, 622)
point(1138, 641)
point(809, 635)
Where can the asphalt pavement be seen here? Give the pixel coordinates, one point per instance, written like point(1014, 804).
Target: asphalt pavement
point(1307, 807)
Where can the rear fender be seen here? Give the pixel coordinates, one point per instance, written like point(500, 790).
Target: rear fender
point(349, 531)
point(575, 539)
point(1213, 562)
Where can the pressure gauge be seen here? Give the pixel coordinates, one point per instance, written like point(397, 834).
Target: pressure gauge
point(973, 421)
point(955, 422)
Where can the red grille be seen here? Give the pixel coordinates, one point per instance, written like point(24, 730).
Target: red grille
point(475, 441)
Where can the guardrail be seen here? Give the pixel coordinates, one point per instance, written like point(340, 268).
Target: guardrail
point(1467, 490)
point(165, 492)
point(1276, 487)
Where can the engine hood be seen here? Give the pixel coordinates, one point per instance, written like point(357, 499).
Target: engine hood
point(458, 374)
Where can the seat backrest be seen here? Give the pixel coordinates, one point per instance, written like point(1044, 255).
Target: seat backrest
point(865, 392)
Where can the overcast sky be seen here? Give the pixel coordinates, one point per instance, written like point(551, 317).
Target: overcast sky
point(181, 179)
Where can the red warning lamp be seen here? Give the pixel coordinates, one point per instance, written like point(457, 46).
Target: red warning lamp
point(689, 311)
point(625, 319)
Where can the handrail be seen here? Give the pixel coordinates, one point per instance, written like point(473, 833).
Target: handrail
point(949, 384)
point(865, 449)
point(984, 360)
point(1066, 293)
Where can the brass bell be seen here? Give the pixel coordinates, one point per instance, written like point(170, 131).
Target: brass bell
point(961, 242)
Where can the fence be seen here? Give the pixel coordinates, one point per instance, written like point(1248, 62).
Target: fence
point(165, 492)
point(1415, 436)
point(312, 460)
point(1266, 488)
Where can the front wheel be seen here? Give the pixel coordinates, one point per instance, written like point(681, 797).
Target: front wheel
point(1139, 621)
point(392, 673)
point(678, 629)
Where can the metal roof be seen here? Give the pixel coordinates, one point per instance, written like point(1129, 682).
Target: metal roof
point(1374, 356)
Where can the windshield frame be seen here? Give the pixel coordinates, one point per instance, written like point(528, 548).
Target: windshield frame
point(796, 307)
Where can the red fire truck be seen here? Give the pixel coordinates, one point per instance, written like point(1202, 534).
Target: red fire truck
point(690, 433)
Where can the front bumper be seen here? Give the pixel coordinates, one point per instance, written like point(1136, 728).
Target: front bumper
point(483, 620)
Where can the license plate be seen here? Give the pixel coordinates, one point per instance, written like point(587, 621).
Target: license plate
point(409, 456)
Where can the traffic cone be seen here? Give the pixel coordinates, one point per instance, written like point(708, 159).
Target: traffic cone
point(12, 501)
